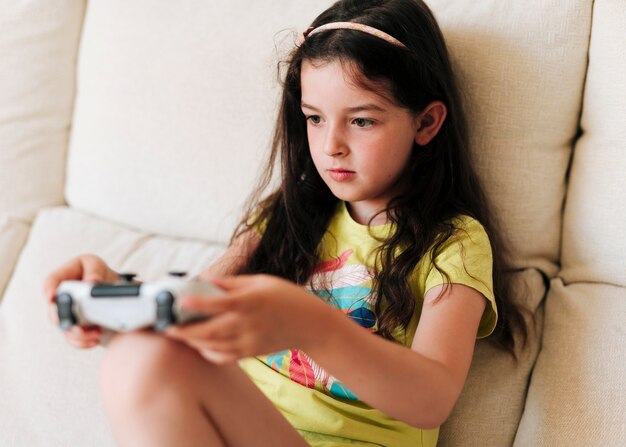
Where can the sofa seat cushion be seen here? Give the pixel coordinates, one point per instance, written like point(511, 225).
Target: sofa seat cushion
point(13, 234)
point(577, 395)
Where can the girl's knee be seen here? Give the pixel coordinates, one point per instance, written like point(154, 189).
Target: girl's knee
point(138, 365)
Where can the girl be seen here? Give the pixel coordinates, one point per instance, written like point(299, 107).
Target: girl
point(360, 284)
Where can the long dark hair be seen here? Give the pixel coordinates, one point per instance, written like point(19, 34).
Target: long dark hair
point(440, 182)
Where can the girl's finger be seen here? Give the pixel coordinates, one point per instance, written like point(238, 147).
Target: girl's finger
point(94, 269)
point(220, 327)
point(81, 340)
point(218, 358)
point(84, 331)
point(86, 268)
point(224, 347)
point(78, 333)
point(71, 269)
point(210, 305)
point(78, 340)
point(84, 344)
point(230, 283)
point(53, 314)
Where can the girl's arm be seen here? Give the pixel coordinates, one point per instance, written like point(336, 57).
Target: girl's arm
point(261, 314)
point(421, 385)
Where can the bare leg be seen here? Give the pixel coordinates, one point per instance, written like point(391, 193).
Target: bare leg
point(160, 392)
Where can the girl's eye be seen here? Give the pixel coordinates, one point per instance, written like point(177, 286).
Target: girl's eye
point(314, 119)
point(363, 122)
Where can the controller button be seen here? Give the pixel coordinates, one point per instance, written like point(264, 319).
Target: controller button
point(127, 277)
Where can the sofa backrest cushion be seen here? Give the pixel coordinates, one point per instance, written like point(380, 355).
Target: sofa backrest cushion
point(176, 103)
point(594, 243)
point(522, 66)
point(38, 45)
point(175, 109)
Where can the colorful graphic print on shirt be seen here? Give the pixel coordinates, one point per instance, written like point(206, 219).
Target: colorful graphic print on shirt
point(350, 292)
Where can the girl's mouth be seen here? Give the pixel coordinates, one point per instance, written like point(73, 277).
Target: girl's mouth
point(341, 175)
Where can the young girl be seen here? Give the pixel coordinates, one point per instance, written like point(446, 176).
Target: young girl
point(356, 290)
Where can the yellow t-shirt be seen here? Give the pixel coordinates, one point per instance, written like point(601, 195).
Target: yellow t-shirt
point(319, 406)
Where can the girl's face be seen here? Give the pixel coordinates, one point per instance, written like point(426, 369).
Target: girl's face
point(360, 141)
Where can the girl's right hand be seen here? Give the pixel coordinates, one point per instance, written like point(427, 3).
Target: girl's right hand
point(82, 268)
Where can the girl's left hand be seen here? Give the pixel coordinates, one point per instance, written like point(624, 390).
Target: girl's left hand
point(258, 314)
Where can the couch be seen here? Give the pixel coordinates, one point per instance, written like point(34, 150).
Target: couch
point(134, 129)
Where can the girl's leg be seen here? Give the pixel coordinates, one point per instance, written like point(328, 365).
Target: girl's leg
point(160, 392)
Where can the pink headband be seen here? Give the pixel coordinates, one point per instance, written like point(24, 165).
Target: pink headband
point(354, 26)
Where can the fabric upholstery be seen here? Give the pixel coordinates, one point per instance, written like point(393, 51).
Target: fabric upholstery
point(595, 215)
point(512, 56)
point(577, 393)
point(13, 234)
point(38, 44)
point(169, 132)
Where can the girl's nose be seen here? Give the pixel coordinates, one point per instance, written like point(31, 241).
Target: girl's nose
point(335, 144)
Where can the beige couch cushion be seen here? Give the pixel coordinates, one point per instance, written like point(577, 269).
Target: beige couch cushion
point(38, 44)
point(577, 394)
point(168, 118)
point(522, 67)
point(13, 234)
point(175, 109)
point(594, 246)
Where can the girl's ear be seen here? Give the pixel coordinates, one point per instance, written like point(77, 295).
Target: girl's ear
point(429, 121)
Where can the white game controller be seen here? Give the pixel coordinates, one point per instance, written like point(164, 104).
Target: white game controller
point(127, 305)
